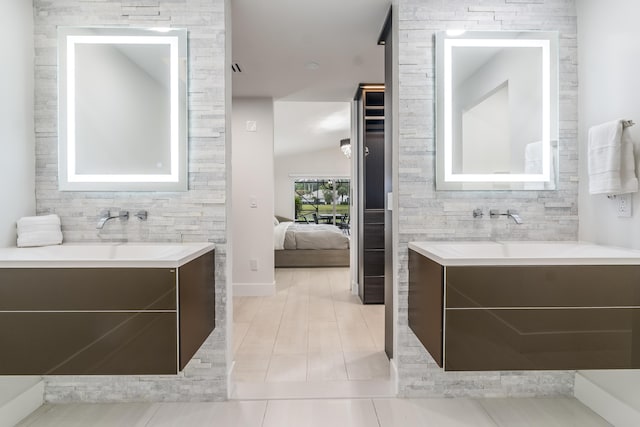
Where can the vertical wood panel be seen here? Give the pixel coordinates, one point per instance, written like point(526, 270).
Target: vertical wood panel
point(426, 303)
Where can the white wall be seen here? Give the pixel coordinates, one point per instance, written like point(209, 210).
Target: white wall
point(609, 60)
point(17, 152)
point(252, 178)
point(17, 137)
point(318, 163)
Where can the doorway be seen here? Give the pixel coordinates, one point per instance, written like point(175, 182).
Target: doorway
point(311, 336)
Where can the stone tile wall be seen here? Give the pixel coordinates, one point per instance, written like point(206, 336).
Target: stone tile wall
point(427, 214)
point(196, 215)
point(200, 213)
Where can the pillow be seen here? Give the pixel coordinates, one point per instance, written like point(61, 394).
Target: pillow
point(275, 221)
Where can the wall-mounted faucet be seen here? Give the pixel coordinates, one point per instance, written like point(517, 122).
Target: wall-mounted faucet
point(142, 215)
point(106, 216)
point(495, 213)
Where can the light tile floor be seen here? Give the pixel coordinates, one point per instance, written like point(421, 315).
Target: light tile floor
point(564, 412)
point(312, 330)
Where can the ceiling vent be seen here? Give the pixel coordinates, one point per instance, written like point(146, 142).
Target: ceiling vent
point(236, 67)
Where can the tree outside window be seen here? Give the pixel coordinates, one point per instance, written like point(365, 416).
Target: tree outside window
point(322, 199)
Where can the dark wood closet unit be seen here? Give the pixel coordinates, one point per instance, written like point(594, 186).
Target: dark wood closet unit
point(371, 146)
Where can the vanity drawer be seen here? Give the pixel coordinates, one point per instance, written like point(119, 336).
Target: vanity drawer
point(88, 343)
point(53, 289)
point(105, 321)
point(542, 339)
point(543, 286)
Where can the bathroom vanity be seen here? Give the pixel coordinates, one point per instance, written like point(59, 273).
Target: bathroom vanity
point(104, 309)
point(490, 306)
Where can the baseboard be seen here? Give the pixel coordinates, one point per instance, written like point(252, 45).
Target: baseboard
point(16, 408)
point(603, 403)
point(364, 389)
point(231, 384)
point(354, 288)
point(393, 375)
point(254, 289)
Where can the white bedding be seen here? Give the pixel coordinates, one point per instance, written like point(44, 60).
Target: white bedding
point(279, 231)
point(289, 236)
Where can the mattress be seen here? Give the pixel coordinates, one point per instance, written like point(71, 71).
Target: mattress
point(289, 235)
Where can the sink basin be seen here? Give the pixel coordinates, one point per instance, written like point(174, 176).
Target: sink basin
point(96, 255)
point(525, 253)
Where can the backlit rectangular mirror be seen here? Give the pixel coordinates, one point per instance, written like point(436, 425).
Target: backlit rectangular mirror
point(496, 110)
point(122, 109)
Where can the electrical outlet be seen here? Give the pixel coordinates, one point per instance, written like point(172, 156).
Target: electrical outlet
point(252, 126)
point(253, 264)
point(624, 205)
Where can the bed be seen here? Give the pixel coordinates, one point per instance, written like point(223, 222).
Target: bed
point(310, 245)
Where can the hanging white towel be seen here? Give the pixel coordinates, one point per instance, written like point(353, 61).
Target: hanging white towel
point(611, 160)
point(39, 231)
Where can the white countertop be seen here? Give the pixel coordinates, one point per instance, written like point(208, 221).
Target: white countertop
point(104, 255)
point(470, 253)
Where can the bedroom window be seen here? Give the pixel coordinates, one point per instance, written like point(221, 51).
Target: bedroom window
point(322, 200)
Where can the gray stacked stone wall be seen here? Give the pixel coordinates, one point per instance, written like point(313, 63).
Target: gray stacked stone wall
point(427, 214)
point(196, 215)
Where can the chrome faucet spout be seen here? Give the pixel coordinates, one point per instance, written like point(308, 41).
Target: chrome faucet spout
point(514, 215)
point(106, 216)
point(494, 213)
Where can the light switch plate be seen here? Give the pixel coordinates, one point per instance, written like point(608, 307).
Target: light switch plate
point(252, 126)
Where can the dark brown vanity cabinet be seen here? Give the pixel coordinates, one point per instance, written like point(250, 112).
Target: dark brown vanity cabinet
point(371, 276)
point(494, 318)
point(105, 321)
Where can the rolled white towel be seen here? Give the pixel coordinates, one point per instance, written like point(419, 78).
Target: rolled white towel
point(39, 231)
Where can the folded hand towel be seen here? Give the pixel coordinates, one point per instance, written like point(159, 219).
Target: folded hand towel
point(39, 231)
point(39, 238)
point(29, 221)
point(610, 160)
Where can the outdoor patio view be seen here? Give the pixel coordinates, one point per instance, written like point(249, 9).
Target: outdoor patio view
point(322, 200)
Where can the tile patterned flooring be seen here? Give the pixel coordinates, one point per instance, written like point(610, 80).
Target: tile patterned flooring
point(565, 412)
point(312, 330)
